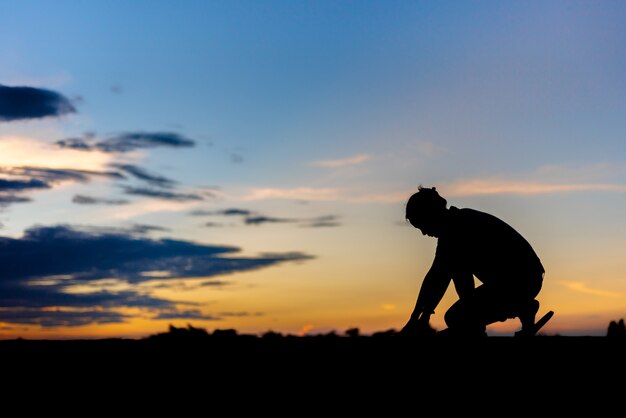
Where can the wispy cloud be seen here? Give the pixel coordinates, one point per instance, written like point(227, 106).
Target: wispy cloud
point(187, 314)
point(583, 288)
point(80, 199)
point(260, 219)
point(142, 174)
point(255, 218)
point(126, 142)
point(222, 212)
point(161, 194)
point(18, 103)
point(342, 162)
point(30, 152)
point(145, 206)
point(474, 187)
point(297, 193)
point(27, 179)
point(60, 318)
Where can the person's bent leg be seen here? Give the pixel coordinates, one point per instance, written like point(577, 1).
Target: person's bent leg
point(462, 320)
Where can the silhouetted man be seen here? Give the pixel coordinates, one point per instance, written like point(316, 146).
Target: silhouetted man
point(472, 243)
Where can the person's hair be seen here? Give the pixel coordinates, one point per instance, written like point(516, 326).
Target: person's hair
point(425, 201)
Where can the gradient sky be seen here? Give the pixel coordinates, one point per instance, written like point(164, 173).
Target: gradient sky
point(245, 164)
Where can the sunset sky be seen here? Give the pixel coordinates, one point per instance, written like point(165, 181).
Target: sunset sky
point(245, 164)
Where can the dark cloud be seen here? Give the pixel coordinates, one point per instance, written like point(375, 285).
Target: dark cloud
point(60, 318)
point(235, 212)
point(93, 254)
point(144, 229)
point(126, 142)
point(89, 200)
point(80, 144)
point(214, 283)
point(140, 229)
point(253, 218)
point(28, 179)
point(161, 194)
point(8, 199)
point(42, 269)
point(142, 174)
point(319, 222)
point(222, 212)
point(189, 314)
point(20, 185)
point(18, 103)
point(32, 294)
point(258, 220)
point(55, 175)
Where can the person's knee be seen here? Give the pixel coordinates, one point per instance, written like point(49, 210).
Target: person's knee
point(453, 318)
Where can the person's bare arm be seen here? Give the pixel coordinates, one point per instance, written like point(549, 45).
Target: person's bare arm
point(433, 288)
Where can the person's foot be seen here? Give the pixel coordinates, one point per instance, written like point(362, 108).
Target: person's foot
point(527, 318)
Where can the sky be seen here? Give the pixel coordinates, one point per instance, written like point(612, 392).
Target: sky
point(246, 164)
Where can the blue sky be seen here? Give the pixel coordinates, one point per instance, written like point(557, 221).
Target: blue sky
point(320, 118)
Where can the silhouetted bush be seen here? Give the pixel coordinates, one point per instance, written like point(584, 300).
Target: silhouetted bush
point(617, 329)
point(352, 332)
point(225, 333)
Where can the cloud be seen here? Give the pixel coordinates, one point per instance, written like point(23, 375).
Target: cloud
point(214, 283)
point(319, 222)
point(254, 218)
point(88, 200)
point(26, 179)
point(59, 318)
point(50, 267)
point(581, 287)
point(126, 142)
point(55, 175)
point(298, 193)
point(9, 199)
point(476, 187)
point(32, 295)
point(222, 212)
point(133, 229)
point(343, 162)
point(188, 314)
point(161, 194)
point(20, 185)
point(258, 220)
point(142, 174)
point(144, 229)
point(18, 103)
point(18, 151)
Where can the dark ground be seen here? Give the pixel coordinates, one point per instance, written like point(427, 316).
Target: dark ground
point(385, 371)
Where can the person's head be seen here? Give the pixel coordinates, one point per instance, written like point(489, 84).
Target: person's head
point(425, 210)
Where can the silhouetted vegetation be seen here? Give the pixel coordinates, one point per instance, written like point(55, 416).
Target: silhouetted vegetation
point(617, 329)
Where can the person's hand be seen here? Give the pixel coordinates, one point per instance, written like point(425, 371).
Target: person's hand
point(418, 326)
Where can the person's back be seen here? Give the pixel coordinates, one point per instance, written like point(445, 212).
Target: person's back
point(486, 246)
